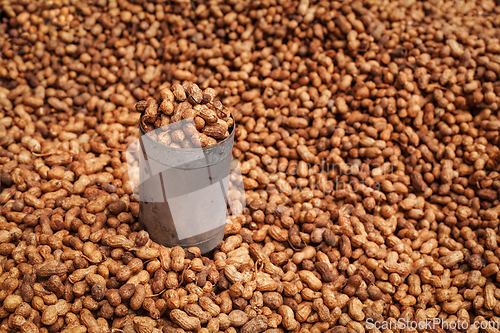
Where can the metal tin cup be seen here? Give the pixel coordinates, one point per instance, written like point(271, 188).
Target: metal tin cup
point(183, 193)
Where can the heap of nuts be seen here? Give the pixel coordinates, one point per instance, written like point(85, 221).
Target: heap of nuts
point(187, 116)
point(368, 134)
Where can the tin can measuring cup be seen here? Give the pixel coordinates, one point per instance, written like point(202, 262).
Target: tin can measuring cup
point(184, 193)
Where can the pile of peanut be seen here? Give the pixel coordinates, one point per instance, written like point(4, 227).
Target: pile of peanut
point(368, 136)
point(203, 120)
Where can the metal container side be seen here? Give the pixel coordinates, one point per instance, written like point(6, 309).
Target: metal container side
point(193, 193)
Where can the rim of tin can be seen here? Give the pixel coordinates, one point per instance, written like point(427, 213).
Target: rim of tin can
point(218, 144)
point(186, 158)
